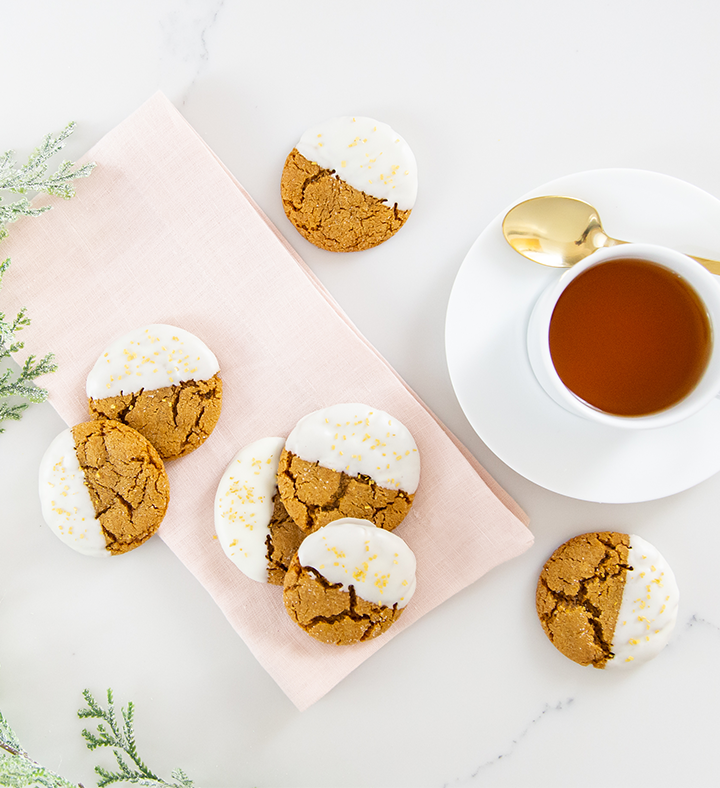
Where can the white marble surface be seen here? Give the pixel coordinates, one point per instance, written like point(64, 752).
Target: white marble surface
point(495, 99)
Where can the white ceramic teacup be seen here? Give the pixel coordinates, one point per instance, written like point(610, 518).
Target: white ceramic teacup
point(707, 290)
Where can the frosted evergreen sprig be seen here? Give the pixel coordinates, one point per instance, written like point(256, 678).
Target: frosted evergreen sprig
point(18, 770)
point(33, 177)
point(118, 734)
point(22, 385)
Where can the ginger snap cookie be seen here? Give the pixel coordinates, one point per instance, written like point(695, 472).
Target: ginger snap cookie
point(348, 460)
point(255, 531)
point(349, 184)
point(607, 599)
point(103, 488)
point(349, 582)
point(162, 381)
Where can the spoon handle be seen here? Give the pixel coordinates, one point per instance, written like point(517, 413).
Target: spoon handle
point(712, 265)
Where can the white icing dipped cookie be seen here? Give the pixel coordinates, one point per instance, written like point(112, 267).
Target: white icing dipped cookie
point(349, 184)
point(353, 552)
point(349, 581)
point(348, 460)
point(103, 488)
point(164, 382)
point(366, 154)
point(649, 607)
point(252, 526)
point(65, 499)
point(607, 599)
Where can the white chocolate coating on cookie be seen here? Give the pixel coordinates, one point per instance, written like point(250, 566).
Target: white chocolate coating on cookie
point(65, 500)
point(649, 607)
point(367, 155)
point(244, 506)
point(358, 439)
point(150, 357)
point(377, 563)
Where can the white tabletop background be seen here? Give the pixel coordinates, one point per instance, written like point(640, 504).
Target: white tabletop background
point(495, 99)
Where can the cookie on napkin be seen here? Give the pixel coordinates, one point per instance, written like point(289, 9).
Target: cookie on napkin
point(349, 582)
point(348, 460)
point(253, 527)
point(162, 381)
point(103, 488)
point(349, 184)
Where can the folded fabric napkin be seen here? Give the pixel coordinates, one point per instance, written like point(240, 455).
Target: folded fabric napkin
point(162, 233)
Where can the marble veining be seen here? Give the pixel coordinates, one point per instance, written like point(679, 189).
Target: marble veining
point(698, 621)
point(185, 31)
point(694, 623)
point(514, 744)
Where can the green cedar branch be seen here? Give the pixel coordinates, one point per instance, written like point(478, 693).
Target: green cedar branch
point(33, 176)
point(21, 386)
point(18, 770)
point(119, 735)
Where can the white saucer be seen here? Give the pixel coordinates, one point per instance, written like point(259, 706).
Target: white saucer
point(487, 357)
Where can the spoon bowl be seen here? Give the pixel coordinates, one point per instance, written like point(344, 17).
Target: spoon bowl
point(560, 231)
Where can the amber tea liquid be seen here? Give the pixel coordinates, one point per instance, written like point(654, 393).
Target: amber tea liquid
point(630, 337)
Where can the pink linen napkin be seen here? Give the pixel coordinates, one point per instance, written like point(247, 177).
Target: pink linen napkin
point(162, 233)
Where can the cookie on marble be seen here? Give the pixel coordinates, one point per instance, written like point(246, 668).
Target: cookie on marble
point(349, 582)
point(349, 184)
point(348, 460)
point(253, 528)
point(103, 488)
point(163, 382)
point(607, 599)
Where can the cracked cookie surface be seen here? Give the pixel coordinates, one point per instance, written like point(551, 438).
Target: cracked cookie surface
point(349, 581)
point(579, 595)
point(348, 460)
point(328, 613)
point(175, 419)
point(126, 480)
point(282, 542)
point(330, 213)
point(162, 381)
point(315, 495)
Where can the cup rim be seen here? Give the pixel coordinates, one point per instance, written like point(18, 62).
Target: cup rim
point(699, 278)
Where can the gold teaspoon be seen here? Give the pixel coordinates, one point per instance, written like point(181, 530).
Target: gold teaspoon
point(561, 231)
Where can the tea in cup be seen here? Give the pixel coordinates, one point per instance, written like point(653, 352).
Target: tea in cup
point(626, 337)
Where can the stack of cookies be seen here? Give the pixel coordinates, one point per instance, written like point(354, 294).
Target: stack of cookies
point(314, 512)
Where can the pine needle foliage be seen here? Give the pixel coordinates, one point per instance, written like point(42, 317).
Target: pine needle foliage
point(33, 176)
point(117, 732)
point(19, 386)
point(18, 770)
